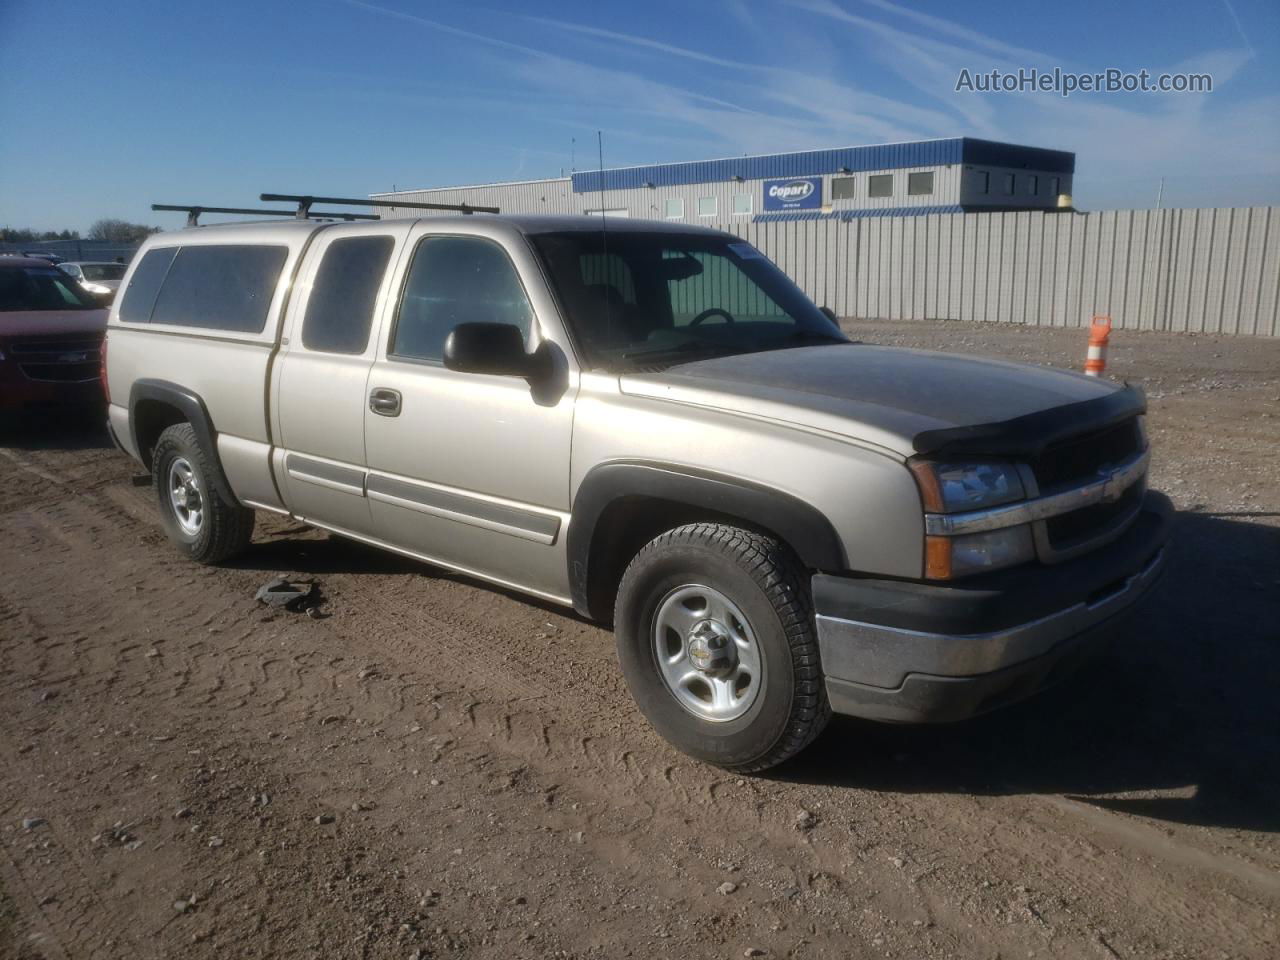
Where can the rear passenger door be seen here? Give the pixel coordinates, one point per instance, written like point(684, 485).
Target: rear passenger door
point(327, 350)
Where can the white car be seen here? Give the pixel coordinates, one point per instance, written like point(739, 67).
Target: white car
point(99, 278)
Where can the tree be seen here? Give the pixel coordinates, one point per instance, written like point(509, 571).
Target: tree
point(120, 231)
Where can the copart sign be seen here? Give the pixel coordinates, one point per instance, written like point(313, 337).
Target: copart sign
point(795, 193)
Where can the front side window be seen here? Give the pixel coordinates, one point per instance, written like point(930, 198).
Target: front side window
point(41, 288)
point(919, 184)
point(881, 185)
point(673, 209)
point(639, 300)
point(707, 206)
point(455, 280)
point(843, 188)
point(340, 308)
point(741, 204)
point(220, 287)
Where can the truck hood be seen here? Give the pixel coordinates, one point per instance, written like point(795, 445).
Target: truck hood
point(909, 401)
point(44, 323)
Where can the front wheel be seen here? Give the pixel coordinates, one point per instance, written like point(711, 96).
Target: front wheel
point(204, 526)
point(716, 640)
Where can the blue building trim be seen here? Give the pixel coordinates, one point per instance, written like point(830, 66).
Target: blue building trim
point(847, 215)
point(888, 156)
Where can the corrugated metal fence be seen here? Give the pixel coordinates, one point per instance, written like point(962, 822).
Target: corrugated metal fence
point(1209, 270)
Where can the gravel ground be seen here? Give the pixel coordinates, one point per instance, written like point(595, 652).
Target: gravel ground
point(438, 769)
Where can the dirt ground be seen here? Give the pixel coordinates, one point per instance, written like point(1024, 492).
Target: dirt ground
point(438, 769)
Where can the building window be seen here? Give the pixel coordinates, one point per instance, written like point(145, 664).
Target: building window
point(673, 208)
point(983, 180)
point(1033, 185)
point(741, 204)
point(1010, 181)
point(842, 188)
point(881, 185)
point(707, 206)
point(919, 184)
point(1055, 186)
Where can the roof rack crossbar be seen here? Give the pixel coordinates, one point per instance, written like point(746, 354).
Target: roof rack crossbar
point(193, 212)
point(305, 201)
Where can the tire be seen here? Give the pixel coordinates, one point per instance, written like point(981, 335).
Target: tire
point(200, 522)
point(731, 603)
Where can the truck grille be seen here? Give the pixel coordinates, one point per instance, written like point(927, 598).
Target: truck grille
point(66, 360)
point(1078, 460)
point(1070, 530)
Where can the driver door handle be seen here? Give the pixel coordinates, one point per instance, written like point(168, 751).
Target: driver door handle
point(384, 402)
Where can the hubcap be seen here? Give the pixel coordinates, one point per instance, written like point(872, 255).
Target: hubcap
point(185, 496)
point(707, 653)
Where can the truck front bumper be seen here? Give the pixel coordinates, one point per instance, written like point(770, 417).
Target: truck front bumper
point(912, 652)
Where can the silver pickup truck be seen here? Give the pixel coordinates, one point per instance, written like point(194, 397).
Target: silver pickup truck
point(650, 424)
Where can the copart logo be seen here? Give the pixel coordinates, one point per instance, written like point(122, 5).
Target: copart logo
point(793, 191)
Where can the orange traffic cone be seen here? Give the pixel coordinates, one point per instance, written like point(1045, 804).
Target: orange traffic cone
point(1099, 334)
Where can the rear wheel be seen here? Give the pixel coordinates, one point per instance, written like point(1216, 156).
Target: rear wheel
point(716, 640)
point(197, 518)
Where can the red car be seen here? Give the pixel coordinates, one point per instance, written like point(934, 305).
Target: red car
point(51, 334)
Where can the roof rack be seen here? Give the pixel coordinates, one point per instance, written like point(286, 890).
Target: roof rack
point(193, 212)
point(304, 203)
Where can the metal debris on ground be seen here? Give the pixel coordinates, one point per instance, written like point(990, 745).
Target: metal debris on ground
point(303, 596)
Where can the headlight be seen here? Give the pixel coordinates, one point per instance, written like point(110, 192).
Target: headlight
point(95, 287)
point(955, 487)
point(959, 487)
point(949, 557)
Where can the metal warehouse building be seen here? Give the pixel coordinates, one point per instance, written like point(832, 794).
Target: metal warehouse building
point(955, 175)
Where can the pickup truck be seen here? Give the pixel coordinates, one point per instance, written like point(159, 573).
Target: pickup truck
point(652, 425)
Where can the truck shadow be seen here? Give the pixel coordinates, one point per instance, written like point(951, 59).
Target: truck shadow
point(1186, 706)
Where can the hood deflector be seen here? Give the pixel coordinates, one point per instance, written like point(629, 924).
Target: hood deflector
point(1029, 435)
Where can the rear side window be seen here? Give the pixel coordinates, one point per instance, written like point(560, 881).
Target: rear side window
point(340, 309)
point(140, 296)
point(457, 280)
point(220, 287)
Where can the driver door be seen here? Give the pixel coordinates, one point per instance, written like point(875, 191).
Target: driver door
point(470, 470)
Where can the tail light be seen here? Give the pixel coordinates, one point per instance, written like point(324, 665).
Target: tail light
point(102, 368)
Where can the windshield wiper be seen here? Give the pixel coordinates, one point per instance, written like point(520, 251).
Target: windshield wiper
point(674, 350)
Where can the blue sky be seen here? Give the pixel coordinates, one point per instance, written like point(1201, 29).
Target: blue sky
point(105, 108)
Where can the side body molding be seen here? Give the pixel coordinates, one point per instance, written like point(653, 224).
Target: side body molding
point(611, 484)
point(193, 409)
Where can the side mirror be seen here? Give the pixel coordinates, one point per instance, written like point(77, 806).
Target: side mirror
point(830, 315)
point(494, 348)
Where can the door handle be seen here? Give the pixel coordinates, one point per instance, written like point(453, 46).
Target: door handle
point(385, 402)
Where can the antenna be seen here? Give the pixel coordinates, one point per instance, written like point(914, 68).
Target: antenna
point(604, 238)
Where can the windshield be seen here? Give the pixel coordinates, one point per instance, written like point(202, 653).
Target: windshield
point(103, 271)
point(640, 300)
point(41, 288)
